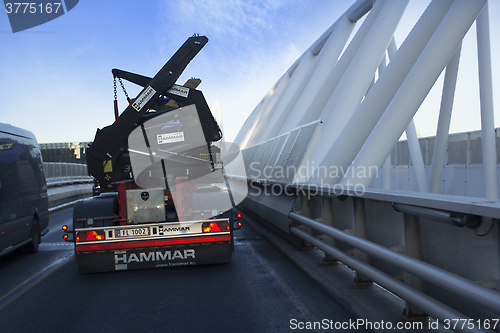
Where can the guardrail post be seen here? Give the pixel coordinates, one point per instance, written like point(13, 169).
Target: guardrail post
point(306, 211)
point(360, 231)
point(327, 219)
point(413, 248)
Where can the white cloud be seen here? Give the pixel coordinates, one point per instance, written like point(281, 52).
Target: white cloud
point(228, 17)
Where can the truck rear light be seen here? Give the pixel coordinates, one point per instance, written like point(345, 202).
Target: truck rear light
point(67, 239)
point(238, 215)
point(215, 226)
point(90, 235)
point(67, 232)
point(93, 235)
point(239, 224)
point(211, 227)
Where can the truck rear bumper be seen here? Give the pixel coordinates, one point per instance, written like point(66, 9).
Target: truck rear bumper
point(154, 257)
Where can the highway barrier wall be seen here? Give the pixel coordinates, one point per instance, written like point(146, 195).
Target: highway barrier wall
point(67, 182)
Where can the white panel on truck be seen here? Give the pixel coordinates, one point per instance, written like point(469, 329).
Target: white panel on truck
point(145, 205)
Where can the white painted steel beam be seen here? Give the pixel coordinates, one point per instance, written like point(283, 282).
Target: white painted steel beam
point(387, 167)
point(415, 88)
point(246, 129)
point(413, 144)
point(320, 99)
point(355, 81)
point(301, 74)
point(416, 157)
point(486, 97)
point(386, 174)
point(295, 97)
point(355, 133)
point(327, 59)
point(268, 109)
point(392, 49)
point(358, 10)
point(487, 122)
point(266, 112)
point(443, 129)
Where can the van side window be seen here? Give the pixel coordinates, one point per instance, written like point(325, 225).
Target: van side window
point(9, 176)
point(25, 172)
point(37, 165)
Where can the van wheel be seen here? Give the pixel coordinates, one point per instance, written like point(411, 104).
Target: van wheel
point(32, 247)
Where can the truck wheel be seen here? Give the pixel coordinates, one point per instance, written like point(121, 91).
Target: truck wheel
point(32, 247)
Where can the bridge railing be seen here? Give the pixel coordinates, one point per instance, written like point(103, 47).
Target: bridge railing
point(67, 182)
point(437, 252)
point(335, 116)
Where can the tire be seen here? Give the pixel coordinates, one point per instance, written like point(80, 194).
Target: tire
point(32, 247)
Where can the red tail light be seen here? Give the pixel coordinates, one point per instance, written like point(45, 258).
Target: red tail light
point(215, 226)
point(65, 236)
point(238, 215)
point(90, 235)
point(212, 227)
point(64, 227)
point(239, 224)
point(93, 235)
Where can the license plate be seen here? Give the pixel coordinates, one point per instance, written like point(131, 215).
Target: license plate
point(133, 232)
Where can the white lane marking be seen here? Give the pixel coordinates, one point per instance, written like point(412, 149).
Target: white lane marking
point(22, 288)
point(55, 246)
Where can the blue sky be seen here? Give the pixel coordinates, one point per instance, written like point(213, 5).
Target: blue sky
point(55, 79)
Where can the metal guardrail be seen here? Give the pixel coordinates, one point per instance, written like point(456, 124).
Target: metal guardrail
point(57, 170)
point(64, 181)
point(311, 217)
point(470, 290)
point(424, 302)
point(67, 182)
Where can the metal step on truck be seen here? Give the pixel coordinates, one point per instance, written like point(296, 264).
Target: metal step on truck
point(162, 197)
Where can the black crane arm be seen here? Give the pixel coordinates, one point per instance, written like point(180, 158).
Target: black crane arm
point(107, 157)
point(140, 80)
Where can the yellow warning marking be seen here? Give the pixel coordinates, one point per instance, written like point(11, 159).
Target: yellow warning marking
point(108, 167)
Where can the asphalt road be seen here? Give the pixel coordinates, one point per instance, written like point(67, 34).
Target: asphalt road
point(258, 292)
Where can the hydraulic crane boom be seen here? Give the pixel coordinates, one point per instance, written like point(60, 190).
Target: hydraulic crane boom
point(108, 157)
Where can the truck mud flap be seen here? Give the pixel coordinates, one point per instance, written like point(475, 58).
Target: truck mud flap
point(159, 257)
